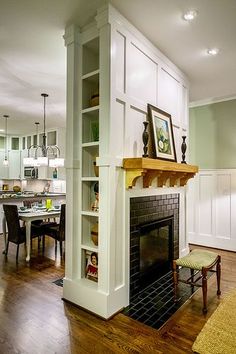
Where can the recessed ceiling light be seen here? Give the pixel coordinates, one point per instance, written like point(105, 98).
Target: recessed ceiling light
point(190, 15)
point(1, 130)
point(213, 51)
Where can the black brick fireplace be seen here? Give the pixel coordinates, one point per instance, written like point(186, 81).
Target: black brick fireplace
point(154, 238)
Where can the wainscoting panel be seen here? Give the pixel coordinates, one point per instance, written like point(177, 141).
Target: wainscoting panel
point(211, 209)
point(205, 201)
point(223, 206)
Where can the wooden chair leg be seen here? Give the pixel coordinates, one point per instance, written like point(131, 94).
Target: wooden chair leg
point(204, 289)
point(60, 248)
point(218, 275)
point(55, 248)
point(43, 243)
point(6, 251)
point(17, 253)
point(39, 240)
point(192, 279)
point(175, 279)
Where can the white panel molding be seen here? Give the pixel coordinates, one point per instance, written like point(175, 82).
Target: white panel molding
point(139, 102)
point(211, 206)
point(141, 75)
point(123, 25)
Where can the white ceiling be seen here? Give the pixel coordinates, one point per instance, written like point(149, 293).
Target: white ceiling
point(33, 56)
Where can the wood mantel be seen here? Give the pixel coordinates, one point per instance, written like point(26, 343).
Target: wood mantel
point(173, 173)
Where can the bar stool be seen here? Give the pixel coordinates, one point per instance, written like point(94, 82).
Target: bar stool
point(198, 261)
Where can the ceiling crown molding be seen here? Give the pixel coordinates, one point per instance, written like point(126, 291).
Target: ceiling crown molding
point(211, 101)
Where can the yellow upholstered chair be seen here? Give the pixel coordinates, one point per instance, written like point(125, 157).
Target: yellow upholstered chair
point(200, 262)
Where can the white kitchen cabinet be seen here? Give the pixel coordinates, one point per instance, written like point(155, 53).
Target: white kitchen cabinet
point(4, 170)
point(14, 164)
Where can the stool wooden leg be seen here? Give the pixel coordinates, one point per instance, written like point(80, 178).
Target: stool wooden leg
point(218, 275)
point(204, 289)
point(192, 279)
point(175, 279)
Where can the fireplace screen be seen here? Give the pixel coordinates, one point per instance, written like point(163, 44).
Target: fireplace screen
point(156, 249)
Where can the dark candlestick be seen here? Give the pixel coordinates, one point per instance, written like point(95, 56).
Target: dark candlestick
point(145, 139)
point(183, 149)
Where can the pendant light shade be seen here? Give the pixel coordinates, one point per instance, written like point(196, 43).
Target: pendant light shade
point(44, 155)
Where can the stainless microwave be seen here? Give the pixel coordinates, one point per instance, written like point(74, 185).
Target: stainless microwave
point(30, 172)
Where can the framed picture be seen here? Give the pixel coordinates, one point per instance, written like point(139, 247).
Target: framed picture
point(91, 270)
point(162, 133)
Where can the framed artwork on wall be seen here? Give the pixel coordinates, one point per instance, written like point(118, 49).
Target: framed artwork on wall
point(162, 133)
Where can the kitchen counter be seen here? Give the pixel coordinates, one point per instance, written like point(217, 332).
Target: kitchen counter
point(18, 197)
point(13, 198)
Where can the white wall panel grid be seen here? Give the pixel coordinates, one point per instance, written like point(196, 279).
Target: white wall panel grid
point(184, 108)
point(141, 75)
point(211, 209)
point(145, 79)
point(177, 140)
point(133, 132)
point(170, 95)
point(119, 53)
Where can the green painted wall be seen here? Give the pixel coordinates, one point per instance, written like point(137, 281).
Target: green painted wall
point(212, 135)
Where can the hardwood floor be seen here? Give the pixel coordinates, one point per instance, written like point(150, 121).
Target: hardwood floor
point(34, 319)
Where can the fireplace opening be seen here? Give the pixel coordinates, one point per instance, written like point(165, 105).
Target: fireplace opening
point(155, 249)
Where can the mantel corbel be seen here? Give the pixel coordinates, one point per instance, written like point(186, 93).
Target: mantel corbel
point(149, 176)
point(162, 179)
point(132, 176)
point(176, 173)
point(184, 179)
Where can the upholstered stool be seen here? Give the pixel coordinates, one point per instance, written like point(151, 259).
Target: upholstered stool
point(198, 261)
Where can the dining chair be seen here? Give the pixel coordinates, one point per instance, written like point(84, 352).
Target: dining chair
point(57, 231)
point(16, 233)
point(38, 223)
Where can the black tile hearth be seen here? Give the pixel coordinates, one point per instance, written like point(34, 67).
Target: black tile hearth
point(155, 304)
point(58, 282)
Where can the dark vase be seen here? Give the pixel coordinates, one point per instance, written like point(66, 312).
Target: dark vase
point(145, 139)
point(183, 149)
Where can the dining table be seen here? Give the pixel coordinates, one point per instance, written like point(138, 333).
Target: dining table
point(28, 216)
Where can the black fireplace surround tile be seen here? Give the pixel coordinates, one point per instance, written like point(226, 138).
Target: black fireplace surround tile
point(148, 209)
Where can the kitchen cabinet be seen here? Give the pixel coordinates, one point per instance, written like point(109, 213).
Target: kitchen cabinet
point(15, 143)
point(4, 170)
point(14, 164)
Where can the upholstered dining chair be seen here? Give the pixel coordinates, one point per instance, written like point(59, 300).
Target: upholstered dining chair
point(16, 233)
point(37, 224)
point(57, 231)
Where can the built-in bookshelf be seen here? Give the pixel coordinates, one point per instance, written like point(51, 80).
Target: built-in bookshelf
point(89, 152)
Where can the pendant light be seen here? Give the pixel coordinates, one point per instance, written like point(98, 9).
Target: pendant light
point(43, 160)
point(6, 161)
point(32, 161)
point(50, 155)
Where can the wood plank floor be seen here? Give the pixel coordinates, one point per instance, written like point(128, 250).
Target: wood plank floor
point(34, 319)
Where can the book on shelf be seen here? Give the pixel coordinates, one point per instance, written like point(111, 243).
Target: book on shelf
point(91, 270)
